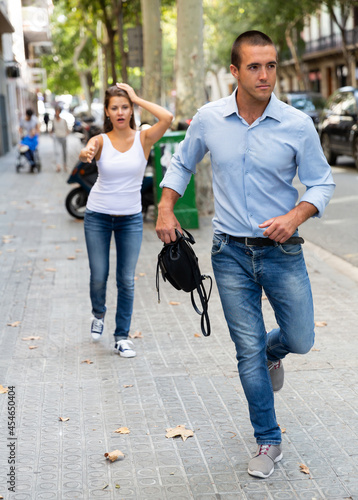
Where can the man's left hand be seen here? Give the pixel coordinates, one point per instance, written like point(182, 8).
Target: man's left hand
point(280, 228)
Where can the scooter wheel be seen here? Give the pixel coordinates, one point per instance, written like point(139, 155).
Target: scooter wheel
point(76, 202)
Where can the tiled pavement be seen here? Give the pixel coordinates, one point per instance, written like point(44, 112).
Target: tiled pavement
point(176, 378)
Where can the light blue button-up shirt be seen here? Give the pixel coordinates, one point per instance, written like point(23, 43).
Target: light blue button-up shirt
point(253, 165)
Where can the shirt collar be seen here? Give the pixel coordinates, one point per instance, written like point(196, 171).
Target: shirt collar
point(273, 109)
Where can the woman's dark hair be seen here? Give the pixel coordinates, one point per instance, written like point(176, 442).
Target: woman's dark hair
point(114, 91)
point(29, 112)
point(252, 37)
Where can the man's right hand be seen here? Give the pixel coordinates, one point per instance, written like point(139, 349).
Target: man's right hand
point(167, 223)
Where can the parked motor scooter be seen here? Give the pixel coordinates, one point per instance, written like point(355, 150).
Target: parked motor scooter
point(85, 174)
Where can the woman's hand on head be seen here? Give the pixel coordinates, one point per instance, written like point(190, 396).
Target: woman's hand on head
point(124, 86)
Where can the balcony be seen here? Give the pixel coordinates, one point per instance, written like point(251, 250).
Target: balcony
point(333, 41)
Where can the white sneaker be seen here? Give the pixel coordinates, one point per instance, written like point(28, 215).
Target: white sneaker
point(97, 328)
point(124, 348)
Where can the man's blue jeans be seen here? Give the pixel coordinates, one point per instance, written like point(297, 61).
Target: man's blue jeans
point(241, 273)
point(128, 230)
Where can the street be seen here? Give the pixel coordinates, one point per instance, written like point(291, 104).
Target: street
point(337, 231)
point(70, 395)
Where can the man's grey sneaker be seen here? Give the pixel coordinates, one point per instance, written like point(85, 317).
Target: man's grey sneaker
point(277, 374)
point(263, 463)
point(97, 327)
point(124, 348)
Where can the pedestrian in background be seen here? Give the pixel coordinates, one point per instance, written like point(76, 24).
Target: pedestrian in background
point(60, 132)
point(46, 120)
point(29, 130)
point(257, 146)
point(114, 205)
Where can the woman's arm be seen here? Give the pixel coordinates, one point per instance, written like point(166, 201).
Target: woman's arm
point(92, 150)
point(165, 118)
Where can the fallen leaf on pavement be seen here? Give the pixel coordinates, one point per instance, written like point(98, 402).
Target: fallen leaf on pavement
point(315, 349)
point(136, 335)
point(31, 338)
point(179, 430)
point(141, 274)
point(304, 469)
point(74, 238)
point(105, 487)
point(3, 390)
point(122, 430)
point(173, 303)
point(78, 250)
point(14, 324)
point(51, 226)
point(131, 385)
point(320, 323)
point(63, 419)
point(117, 486)
point(88, 361)
point(135, 278)
point(51, 269)
point(283, 429)
point(33, 346)
point(114, 455)
point(71, 257)
point(197, 335)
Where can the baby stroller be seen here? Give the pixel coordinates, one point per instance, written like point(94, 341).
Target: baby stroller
point(28, 155)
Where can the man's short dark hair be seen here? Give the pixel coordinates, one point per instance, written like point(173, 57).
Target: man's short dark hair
point(29, 112)
point(252, 37)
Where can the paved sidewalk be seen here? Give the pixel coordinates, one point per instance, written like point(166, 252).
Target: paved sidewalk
point(178, 377)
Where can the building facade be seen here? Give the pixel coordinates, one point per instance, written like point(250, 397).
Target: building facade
point(322, 60)
point(25, 36)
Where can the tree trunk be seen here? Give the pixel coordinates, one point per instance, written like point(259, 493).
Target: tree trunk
point(111, 34)
point(342, 28)
point(118, 9)
point(82, 73)
point(152, 54)
point(300, 75)
point(190, 87)
point(190, 59)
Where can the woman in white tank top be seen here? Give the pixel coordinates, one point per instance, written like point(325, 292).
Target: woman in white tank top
point(114, 205)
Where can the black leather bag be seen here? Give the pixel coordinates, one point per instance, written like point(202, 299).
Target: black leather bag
point(179, 265)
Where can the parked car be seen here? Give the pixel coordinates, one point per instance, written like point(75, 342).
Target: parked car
point(311, 103)
point(338, 127)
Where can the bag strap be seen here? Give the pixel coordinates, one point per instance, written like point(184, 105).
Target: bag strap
point(203, 296)
point(204, 299)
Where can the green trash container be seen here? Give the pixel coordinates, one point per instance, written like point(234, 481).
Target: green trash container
point(185, 209)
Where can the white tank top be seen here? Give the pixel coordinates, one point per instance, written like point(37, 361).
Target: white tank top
point(120, 176)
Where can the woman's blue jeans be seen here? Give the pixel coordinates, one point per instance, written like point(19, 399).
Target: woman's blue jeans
point(241, 273)
point(128, 231)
